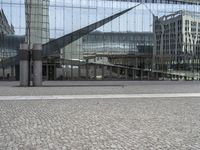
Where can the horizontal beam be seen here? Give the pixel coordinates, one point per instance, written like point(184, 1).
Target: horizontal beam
point(162, 1)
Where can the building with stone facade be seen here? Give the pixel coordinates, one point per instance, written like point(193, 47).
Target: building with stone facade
point(177, 41)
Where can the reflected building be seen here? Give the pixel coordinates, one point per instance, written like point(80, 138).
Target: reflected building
point(116, 42)
point(177, 41)
point(6, 29)
point(108, 34)
point(37, 21)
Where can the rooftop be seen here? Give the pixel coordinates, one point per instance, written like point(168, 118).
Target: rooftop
point(193, 14)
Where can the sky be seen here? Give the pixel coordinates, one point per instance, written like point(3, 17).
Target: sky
point(69, 15)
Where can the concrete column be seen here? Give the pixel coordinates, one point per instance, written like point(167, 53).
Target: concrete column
point(134, 72)
point(126, 74)
point(12, 73)
point(148, 75)
point(163, 76)
point(24, 64)
point(54, 70)
point(3, 73)
point(110, 72)
point(3, 69)
point(72, 72)
point(102, 71)
point(95, 71)
point(87, 69)
point(171, 77)
point(157, 78)
point(136, 62)
point(141, 75)
point(37, 64)
point(185, 78)
point(177, 77)
point(118, 72)
point(79, 71)
point(47, 71)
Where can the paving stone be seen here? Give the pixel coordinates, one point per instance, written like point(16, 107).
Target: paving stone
point(142, 124)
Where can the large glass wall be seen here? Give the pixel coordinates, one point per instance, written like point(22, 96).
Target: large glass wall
point(132, 32)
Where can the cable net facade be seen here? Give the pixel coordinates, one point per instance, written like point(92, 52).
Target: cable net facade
point(144, 37)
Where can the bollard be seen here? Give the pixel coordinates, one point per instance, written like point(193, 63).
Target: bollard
point(24, 64)
point(37, 64)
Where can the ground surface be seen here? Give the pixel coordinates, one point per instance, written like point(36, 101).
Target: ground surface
point(107, 124)
point(99, 87)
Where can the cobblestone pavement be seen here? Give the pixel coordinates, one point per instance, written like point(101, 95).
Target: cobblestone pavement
point(107, 124)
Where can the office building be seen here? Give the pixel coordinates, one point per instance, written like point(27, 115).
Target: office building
point(177, 41)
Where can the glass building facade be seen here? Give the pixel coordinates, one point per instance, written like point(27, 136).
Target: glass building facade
point(131, 33)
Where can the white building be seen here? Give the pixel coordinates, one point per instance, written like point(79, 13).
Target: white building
point(177, 39)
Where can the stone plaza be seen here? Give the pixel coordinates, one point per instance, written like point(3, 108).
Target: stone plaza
point(100, 123)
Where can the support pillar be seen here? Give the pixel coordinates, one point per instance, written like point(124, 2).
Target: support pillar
point(133, 72)
point(136, 62)
point(87, 69)
point(126, 74)
point(141, 75)
point(12, 73)
point(72, 72)
point(171, 77)
point(95, 71)
point(102, 71)
point(79, 71)
point(24, 64)
point(177, 77)
point(3, 73)
point(118, 73)
point(148, 75)
point(110, 72)
point(157, 78)
point(47, 71)
point(163, 76)
point(37, 64)
point(185, 78)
